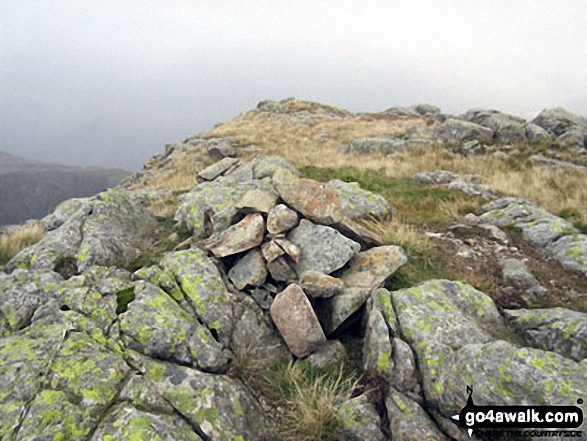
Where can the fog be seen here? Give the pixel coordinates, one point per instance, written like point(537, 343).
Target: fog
point(108, 83)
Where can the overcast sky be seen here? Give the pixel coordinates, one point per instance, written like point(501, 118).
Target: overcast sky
point(109, 82)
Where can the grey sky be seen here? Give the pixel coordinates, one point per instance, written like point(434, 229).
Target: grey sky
point(108, 82)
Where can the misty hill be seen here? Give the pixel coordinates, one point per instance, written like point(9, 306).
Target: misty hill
point(32, 189)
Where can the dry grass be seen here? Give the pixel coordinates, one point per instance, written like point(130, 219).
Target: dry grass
point(12, 244)
point(556, 190)
point(407, 236)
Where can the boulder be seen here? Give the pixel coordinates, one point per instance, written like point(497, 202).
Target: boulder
point(265, 166)
point(256, 200)
point(571, 252)
point(516, 274)
point(295, 319)
point(485, 191)
point(558, 330)
point(361, 419)
point(559, 121)
point(333, 311)
point(535, 133)
point(322, 248)
point(435, 177)
point(316, 201)
point(359, 204)
point(379, 144)
point(370, 269)
point(217, 169)
point(332, 355)
point(457, 132)
point(507, 128)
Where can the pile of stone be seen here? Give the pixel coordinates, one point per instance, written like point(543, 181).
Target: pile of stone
point(292, 243)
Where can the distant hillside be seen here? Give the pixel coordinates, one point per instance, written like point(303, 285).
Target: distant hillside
point(31, 189)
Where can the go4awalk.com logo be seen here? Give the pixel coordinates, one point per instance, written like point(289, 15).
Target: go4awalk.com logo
point(496, 418)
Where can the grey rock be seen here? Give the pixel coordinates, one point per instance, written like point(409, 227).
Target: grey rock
point(558, 121)
point(256, 200)
point(484, 191)
point(293, 315)
point(435, 177)
point(355, 231)
point(222, 150)
point(271, 251)
point(265, 166)
point(544, 161)
point(426, 109)
point(249, 271)
point(370, 269)
point(507, 128)
point(403, 112)
point(155, 325)
point(361, 419)
point(217, 169)
point(318, 284)
point(331, 355)
point(457, 132)
point(516, 273)
point(380, 144)
point(571, 252)
point(535, 133)
point(333, 311)
point(358, 203)
point(281, 219)
point(323, 248)
point(289, 248)
point(64, 211)
point(574, 138)
point(558, 330)
point(408, 421)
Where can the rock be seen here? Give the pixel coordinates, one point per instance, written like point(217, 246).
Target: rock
point(281, 219)
point(126, 423)
point(574, 138)
point(538, 226)
point(64, 211)
point(359, 204)
point(318, 284)
point(558, 121)
point(289, 248)
point(219, 406)
point(408, 421)
point(402, 112)
point(516, 273)
point(323, 248)
point(280, 270)
point(361, 419)
point(507, 128)
point(425, 109)
point(435, 177)
point(249, 271)
point(240, 237)
point(217, 169)
point(265, 166)
point(370, 269)
point(379, 144)
point(571, 252)
point(21, 294)
point(558, 330)
point(254, 339)
point(203, 288)
point(221, 150)
point(318, 202)
point(457, 132)
point(262, 297)
point(293, 315)
point(543, 161)
point(155, 325)
point(271, 251)
point(333, 311)
point(354, 231)
point(111, 230)
point(535, 133)
point(332, 355)
point(214, 200)
point(484, 191)
point(256, 200)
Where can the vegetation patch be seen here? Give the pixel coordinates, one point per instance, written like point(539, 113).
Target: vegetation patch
point(123, 298)
point(12, 244)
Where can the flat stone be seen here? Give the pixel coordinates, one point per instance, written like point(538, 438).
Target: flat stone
point(318, 284)
point(332, 354)
point(295, 319)
point(217, 169)
point(370, 269)
point(333, 311)
point(317, 201)
point(435, 177)
point(323, 248)
point(257, 200)
point(243, 236)
point(355, 231)
point(249, 271)
point(281, 219)
point(289, 248)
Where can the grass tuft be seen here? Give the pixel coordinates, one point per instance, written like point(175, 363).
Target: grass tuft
point(12, 244)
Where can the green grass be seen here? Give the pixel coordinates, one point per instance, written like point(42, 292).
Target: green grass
point(123, 298)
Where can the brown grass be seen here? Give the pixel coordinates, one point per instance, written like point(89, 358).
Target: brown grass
point(556, 190)
point(12, 244)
